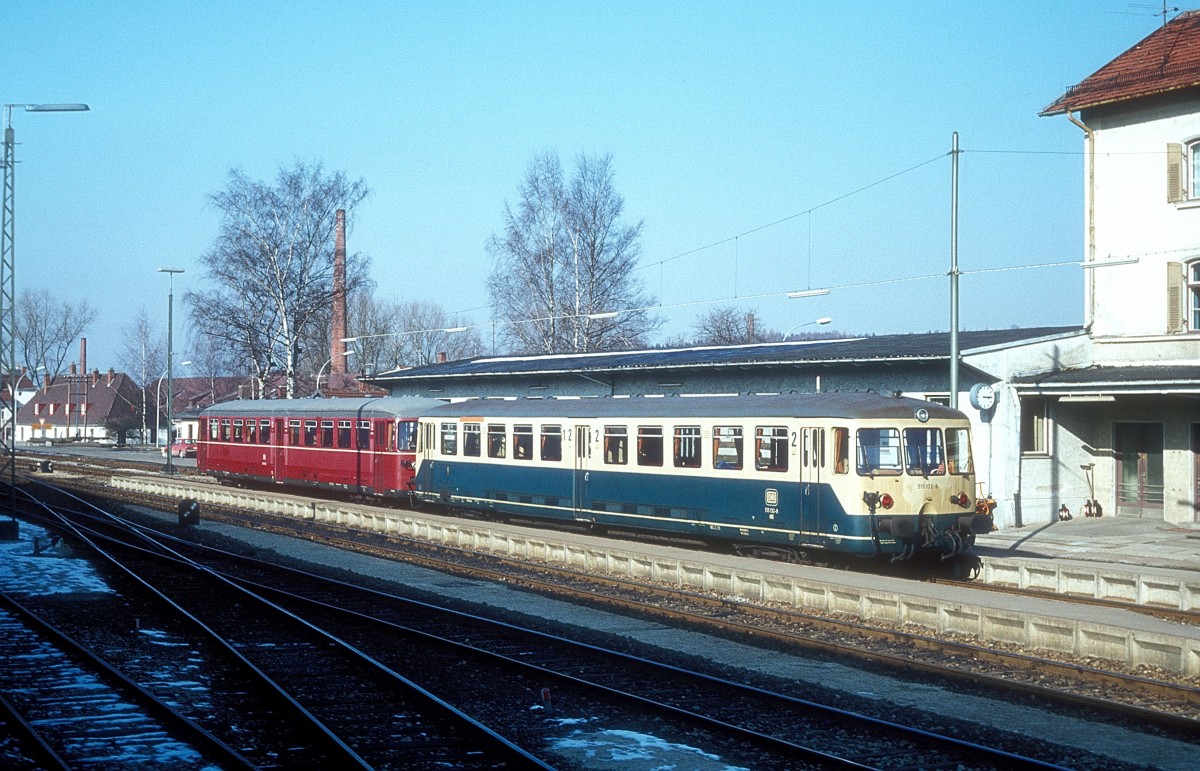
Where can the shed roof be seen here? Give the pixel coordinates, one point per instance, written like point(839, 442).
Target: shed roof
point(933, 346)
point(1166, 60)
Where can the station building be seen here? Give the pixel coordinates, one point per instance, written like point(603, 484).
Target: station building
point(1103, 417)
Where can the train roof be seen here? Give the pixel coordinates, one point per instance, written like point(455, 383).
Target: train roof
point(379, 407)
point(856, 405)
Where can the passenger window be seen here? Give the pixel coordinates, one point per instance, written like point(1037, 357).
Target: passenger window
point(224, 429)
point(552, 443)
point(364, 435)
point(727, 447)
point(650, 446)
point(214, 429)
point(310, 433)
point(327, 433)
point(496, 447)
point(687, 447)
point(879, 452)
point(616, 444)
point(343, 435)
point(771, 448)
point(471, 440)
point(523, 442)
point(449, 439)
point(841, 450)
point(251, 432)
point(238, 430)
point(294, 433)
point(264, 431)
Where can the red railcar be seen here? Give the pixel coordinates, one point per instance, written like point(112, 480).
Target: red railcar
point(359, 445)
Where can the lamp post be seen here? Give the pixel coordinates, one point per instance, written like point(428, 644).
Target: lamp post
point(822, 321)
point(8, 295)
point(317, 391)
point(170, 355)
point(158, 404)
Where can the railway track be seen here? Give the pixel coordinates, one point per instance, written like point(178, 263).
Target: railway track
point(1150, 700)
point(751, 725)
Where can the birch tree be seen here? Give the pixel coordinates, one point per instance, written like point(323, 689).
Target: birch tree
point(48, 329)
point(271, 267)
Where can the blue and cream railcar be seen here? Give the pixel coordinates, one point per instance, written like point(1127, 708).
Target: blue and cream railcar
point(855, 473)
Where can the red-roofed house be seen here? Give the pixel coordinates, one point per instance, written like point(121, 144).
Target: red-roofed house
point(79, 407)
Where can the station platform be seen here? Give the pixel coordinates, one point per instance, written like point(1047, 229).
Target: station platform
point(1113, 540)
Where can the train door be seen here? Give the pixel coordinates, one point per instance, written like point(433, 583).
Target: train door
point(809, 454)
point(278, 449)
point(583, 450)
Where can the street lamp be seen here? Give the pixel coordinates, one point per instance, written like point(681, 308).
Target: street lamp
point(822, 321)
point(158, 405)
point(317, 391)
point(170, 355)
point(8, 294)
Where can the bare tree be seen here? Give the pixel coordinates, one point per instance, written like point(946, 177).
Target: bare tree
point(563, 271)
point(143, 354)
point(272, 265)
point(727, 325)
point(47, 329)
point(407, 334)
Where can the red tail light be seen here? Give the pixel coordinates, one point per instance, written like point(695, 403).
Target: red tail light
point(886, 501)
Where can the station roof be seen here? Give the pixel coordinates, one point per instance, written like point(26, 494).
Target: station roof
point(933, 346)
point(1166, 60)
point(1157, 379)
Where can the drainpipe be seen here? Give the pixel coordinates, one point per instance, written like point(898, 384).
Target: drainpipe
point(1090, 191)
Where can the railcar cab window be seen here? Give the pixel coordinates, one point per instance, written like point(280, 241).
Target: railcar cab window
point(771, 448)
point(727, 447)
point(327, 433)
point(958, 451)
point(924, 454)
point(523, 441)
point(616, 445)
point(496, 448)
point(879, 452)
point(552, 443)
point(841, 451)
point(687, 447)
point(343, 435)
point(472, 444)
point(650, 446)
point(449, 439)
point(406, 435)
point(264, 431)
point(214, 429)
point(294, 433)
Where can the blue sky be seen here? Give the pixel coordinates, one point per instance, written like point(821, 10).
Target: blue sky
point(722, 118)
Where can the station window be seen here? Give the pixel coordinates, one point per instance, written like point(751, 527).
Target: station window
point(687, 447)
point(552, 443)
point(923, 452)
point(327, 433)
point(496, 448)
point(310, 433)
point(449, 439)
point(958, 451)
point(616, 444)
point(650, 446)
point(264, 431)
point(343, 435)
point(523, 441)
point(841, 450)
point(472, 443)
point(727, 447)
point(771, 448)
point(879, 452)
point(364, 435)
point(1035, 426)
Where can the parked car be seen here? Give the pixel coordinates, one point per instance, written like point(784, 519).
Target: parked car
point(182, 448)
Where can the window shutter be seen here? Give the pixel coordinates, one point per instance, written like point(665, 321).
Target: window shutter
point(1174, 297)
point(1175, 192)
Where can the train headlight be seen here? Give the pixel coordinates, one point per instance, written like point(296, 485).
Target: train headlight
point(886, 501)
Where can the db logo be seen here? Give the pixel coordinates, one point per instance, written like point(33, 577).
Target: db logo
point(772, 497)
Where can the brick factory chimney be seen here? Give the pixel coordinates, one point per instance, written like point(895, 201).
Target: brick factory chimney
point(83, 355)
point(337, 353)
